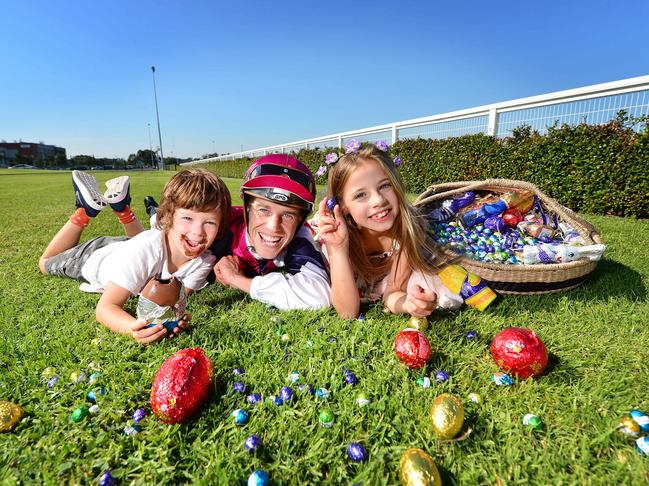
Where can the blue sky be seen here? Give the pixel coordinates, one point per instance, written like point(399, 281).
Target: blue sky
point(230, 74)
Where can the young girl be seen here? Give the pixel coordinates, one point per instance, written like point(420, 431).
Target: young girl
point(375, 240)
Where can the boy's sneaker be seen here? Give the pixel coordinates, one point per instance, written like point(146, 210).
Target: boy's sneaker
point(118, 194)
point(150, 205)
point(86, 192)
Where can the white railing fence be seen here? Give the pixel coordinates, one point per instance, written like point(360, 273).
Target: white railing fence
point(594, 105)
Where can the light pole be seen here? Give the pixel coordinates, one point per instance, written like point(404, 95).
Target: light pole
point(150, 145)
point(155, 95)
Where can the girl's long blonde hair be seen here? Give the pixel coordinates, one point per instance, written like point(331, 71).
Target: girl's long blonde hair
point(409, 229)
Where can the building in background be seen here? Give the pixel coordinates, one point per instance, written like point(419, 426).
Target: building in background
point(38, 153)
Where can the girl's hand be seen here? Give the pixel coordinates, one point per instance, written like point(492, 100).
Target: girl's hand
point(420, 302)
point(332, 229)
point(147, 335)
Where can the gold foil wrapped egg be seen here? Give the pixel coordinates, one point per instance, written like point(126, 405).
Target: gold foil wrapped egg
point(418, 469)
point(628, 426)
point(419, 323)
point(10, 415)
point(447, 416)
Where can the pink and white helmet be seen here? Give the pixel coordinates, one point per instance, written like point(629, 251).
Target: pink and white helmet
point(281, 179)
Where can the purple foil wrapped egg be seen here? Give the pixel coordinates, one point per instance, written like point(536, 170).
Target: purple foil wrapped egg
point(52, 382)
point(331, 204)
point(139, 415)
point(471, 335)
point(286, 393)
point(252, 443)
point(306, 388)
point(107, 479)
point(356, 452)
point(253, 398)
point(237, 371)
point(441, 376)
point(495, 223)
point(240, 387)
point(350, 379)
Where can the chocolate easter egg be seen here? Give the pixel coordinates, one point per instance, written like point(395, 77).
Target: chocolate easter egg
point(412, 348)
point(446, 416)
point(164, 292)
point(418, 469)
point(520, 352)
point(182, 385)
point(10, 415)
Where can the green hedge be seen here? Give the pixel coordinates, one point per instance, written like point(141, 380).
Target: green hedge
point(601, 169)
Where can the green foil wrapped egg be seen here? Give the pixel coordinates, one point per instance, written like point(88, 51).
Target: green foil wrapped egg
point(10, 415)
point(447, 416)
point(418, 469)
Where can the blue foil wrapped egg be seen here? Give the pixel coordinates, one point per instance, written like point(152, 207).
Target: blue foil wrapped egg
point(642, 444)
point(356, 452)
point(52, 382)
point(322, 393)
point(294, 377)
point(93, 394)
point(252, 443)
point(258, 478)
point(641, 418)
point(240, 387)
point(240, 416)
point(238, 371)
point(276, 400)
point(502, 379)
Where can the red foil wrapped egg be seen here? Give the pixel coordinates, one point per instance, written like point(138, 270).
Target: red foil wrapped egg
point(182, 385)
point(520, 352)
point(412, 348)
point(512, 217)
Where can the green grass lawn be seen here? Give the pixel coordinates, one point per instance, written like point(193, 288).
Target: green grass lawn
point(597, 336)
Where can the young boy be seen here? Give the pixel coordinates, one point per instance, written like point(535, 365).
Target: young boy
point(193, 211)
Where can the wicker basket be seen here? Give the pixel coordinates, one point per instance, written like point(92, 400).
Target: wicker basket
point(520, 279)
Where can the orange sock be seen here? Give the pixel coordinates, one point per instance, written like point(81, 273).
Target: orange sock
point(80, 218)
point(125, 216)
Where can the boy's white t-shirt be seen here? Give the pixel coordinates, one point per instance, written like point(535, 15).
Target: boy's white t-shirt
point(132, 263)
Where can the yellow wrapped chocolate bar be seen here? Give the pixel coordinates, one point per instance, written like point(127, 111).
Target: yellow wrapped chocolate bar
point(468, 285)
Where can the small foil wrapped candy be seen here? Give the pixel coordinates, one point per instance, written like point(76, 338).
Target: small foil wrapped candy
point(162, 301)
point(412, 348)
point(446, 416)
point(629, 427)
point(641, 418)
point(10, 415)
point(417, 468)
point(356, 452)
point(558, 253)
point(252, 443)
point(419, 323)
point(258, 478)
point(182, 385)
point(520, 352)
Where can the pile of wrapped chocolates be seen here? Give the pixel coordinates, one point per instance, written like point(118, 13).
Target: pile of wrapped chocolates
point(510, 228)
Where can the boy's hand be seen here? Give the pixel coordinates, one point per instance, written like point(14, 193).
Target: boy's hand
point(332, 228)
point(147, 335)
point(183, 324)
point(420, 302)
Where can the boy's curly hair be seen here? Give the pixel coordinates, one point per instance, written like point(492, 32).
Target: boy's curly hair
point(196, 189)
